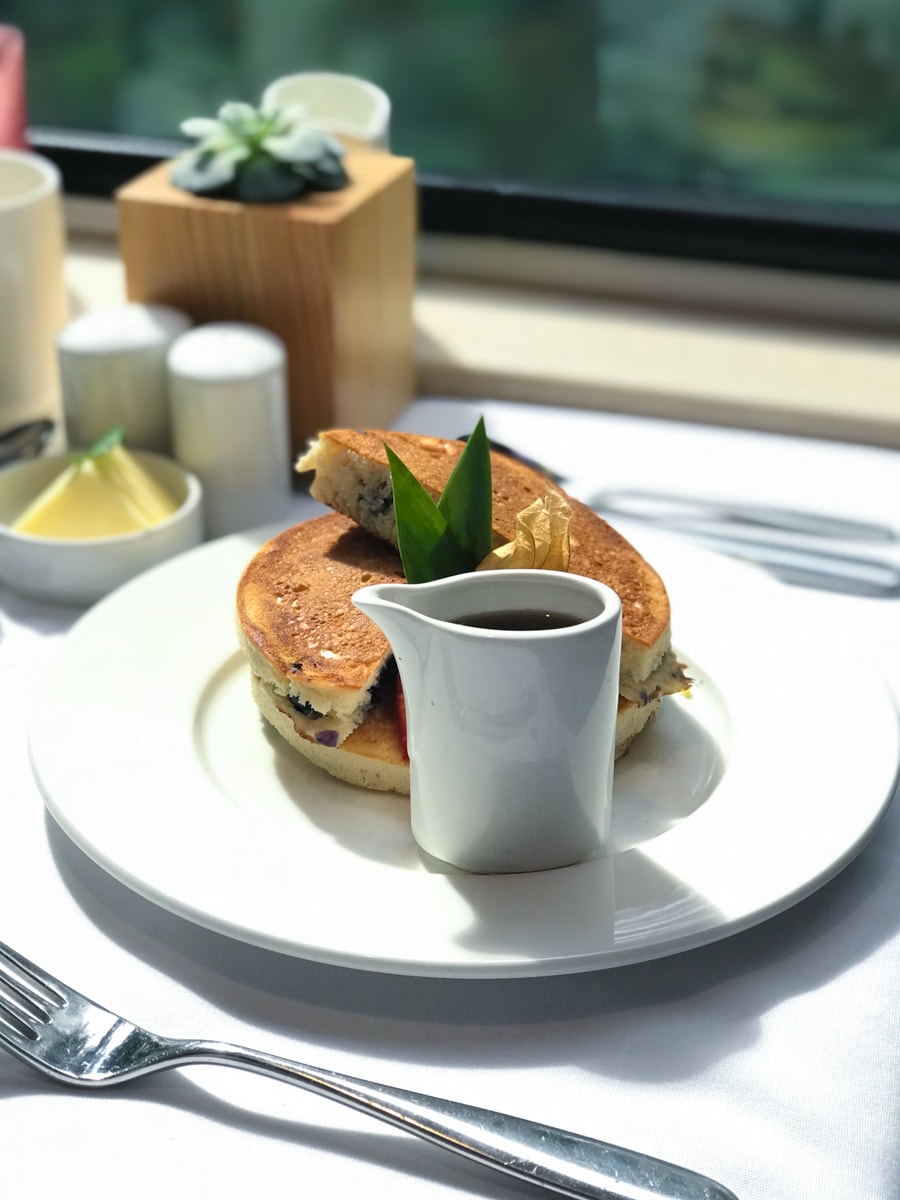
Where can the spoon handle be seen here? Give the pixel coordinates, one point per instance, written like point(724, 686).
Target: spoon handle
point(25, 441)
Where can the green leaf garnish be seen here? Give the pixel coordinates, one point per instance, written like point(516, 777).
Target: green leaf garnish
point(428, 547)
point(106, 442)
point(467, 500)
point(454, 535)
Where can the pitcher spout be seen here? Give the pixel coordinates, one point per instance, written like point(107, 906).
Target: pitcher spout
point(388, 605)
point(379, 596)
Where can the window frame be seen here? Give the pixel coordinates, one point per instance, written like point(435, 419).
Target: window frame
point(834, 241)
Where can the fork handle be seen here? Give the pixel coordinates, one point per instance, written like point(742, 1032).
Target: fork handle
point(563, 1162)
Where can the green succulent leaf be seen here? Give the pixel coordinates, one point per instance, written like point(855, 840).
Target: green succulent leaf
point(202, 128)
point(239, 117)
point(331, 146)
point(262, 155)
point(265, 181)
point(285, 117)
point(296, 145)
point(326, 175)
point(235, 153)
point(447, 538)
point(201, 172)
point(329, 165)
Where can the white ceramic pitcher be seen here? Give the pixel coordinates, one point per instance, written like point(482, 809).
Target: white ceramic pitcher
point(511, 731)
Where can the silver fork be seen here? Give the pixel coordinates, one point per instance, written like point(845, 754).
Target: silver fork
point(58, 1031)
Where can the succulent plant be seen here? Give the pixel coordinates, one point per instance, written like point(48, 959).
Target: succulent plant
point(259, 155)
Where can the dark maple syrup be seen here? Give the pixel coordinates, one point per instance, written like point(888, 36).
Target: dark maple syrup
point(520, 620)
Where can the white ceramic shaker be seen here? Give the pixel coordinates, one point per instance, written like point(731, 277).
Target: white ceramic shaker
point(113, 371)
point(228, 394)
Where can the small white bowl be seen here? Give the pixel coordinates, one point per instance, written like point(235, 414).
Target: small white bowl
point(81, 570)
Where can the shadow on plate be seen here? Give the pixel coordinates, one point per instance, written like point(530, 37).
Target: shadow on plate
point(671, 771)
point(823, 937)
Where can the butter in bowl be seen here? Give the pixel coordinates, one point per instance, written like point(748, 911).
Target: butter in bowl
point(73, 528)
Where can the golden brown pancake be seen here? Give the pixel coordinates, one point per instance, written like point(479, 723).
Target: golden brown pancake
point(353, 477)
point(312, 651)
point(302, 636)
point(296, 591)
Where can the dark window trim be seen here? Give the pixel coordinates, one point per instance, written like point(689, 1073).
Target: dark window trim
point(850, 242)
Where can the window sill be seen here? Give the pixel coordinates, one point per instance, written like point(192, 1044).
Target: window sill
point(727, 346)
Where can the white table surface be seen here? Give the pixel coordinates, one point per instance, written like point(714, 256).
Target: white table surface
point(770, 1060)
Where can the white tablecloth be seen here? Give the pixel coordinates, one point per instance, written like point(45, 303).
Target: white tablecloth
point(770, 1060)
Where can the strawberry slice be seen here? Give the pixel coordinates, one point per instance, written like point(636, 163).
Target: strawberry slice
point(400, 705)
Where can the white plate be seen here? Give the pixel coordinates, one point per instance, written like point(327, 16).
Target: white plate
point(740, 800)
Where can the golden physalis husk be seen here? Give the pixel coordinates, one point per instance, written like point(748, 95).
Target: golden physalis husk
point(541, 541)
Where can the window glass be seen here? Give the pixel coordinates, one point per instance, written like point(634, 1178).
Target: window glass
point(792, 100)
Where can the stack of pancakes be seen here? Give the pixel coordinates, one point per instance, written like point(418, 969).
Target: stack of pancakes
point(323, 673)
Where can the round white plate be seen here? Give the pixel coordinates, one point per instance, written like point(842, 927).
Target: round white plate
point(739, 801)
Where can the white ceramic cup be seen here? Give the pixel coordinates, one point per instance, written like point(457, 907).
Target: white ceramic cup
point(228, 393)
point(33, 299)
point(341, 104)
point(113, 370)
point(511, 733)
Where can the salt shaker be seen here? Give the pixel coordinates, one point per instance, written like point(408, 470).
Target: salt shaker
point(113, 372)
point(228, 394)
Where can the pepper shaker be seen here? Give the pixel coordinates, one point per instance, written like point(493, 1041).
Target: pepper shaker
point(228, 395)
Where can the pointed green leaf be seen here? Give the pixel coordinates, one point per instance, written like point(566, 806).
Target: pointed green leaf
point(106, 442)
point(428, 547)
point(467, 500)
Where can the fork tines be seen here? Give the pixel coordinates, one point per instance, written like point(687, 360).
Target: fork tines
point(26, 993)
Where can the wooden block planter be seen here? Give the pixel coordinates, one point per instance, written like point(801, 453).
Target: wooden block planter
point(332, 274)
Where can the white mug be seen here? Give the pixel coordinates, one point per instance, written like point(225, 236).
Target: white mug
point(33, 299)
point(341, 104)
point(511, 727)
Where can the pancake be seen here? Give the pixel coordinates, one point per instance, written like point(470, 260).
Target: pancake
point(352, 476)
point(323, 673)
point(303, 638)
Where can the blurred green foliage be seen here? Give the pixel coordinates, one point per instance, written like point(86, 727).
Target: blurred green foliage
point(793, 99)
